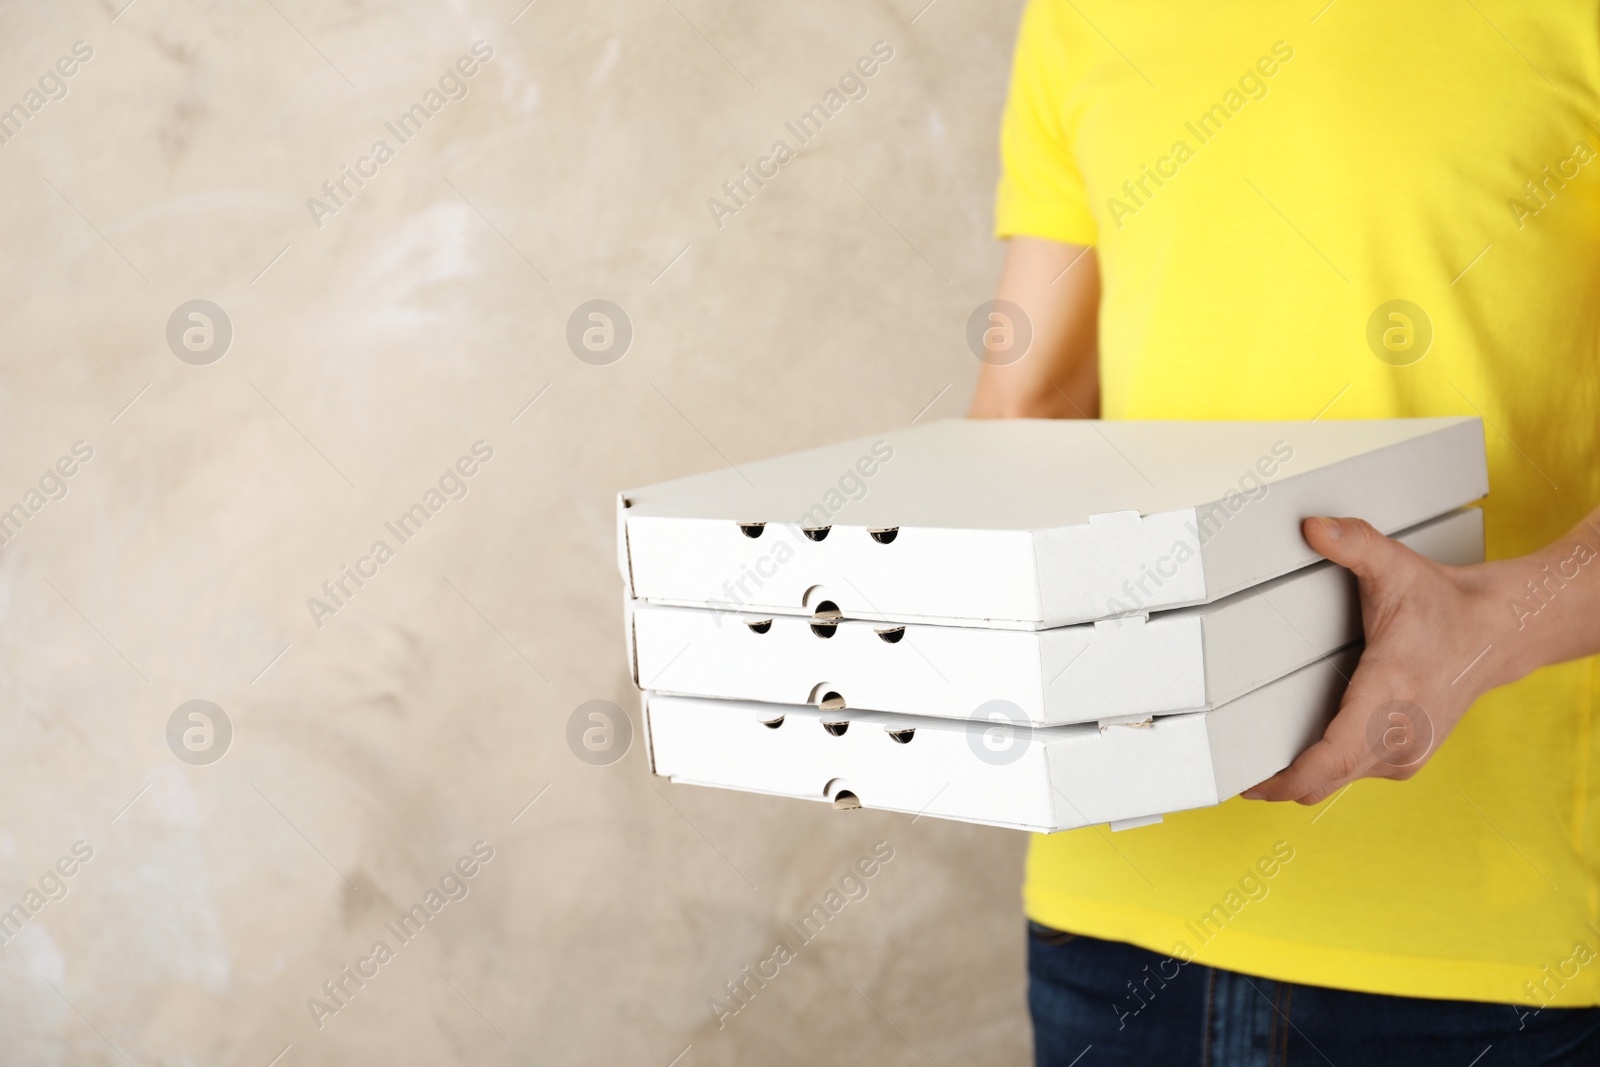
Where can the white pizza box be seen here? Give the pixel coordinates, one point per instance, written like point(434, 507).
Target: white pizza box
point(1032, 523)
point(1187, 659)
point(1050, 779)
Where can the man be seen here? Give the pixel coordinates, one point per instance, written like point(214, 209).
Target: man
point(1270, 211)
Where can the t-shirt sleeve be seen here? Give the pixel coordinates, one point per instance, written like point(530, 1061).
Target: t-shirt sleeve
point(1041, 190)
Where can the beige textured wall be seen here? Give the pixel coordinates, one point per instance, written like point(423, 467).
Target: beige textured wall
point(368, 353)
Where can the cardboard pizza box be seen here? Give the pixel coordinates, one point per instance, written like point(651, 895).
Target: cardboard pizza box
point(991, 770)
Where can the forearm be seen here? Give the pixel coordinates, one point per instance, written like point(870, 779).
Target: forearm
point(1551, 603)
point(1051, 295)
point(1071, 392)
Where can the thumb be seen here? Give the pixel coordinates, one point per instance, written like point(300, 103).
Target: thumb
point(1353, 544)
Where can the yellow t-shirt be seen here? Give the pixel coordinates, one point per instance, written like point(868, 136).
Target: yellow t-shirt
point(1259, 181)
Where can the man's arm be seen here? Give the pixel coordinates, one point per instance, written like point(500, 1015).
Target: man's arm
point(1057, 286)
point(1437, 637)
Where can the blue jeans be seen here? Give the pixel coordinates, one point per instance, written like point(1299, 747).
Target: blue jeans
point(1098, 1003)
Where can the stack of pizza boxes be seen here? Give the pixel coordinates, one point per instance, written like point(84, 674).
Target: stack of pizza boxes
point(1040, 624)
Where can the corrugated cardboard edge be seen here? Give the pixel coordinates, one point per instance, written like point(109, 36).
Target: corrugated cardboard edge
point(630, 634)
point(624, 557)
point(644, 727)
point(1044, 682)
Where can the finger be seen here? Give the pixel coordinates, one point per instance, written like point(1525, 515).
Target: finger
point(1343, 753)
point(1317, 796)
point(1317, 771)
point(1355, 545)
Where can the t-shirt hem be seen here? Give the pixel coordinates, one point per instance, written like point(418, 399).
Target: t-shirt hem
point(1358, 970)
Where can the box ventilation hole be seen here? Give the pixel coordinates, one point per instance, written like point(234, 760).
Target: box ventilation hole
point(903, 736)
point(831, 701)
point(890, 636)
point(752, 529)
point(759, 626)
point(817, 533)
point(826, 620)
point(772, 724)
point(815, 595)
point(883, 537)
point(837, 729)
point(846, 801)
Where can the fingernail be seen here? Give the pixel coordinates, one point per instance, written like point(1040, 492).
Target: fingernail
point(1331, 528)
point(1251, 794)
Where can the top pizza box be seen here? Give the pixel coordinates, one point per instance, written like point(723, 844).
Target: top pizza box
point(1033, 523)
